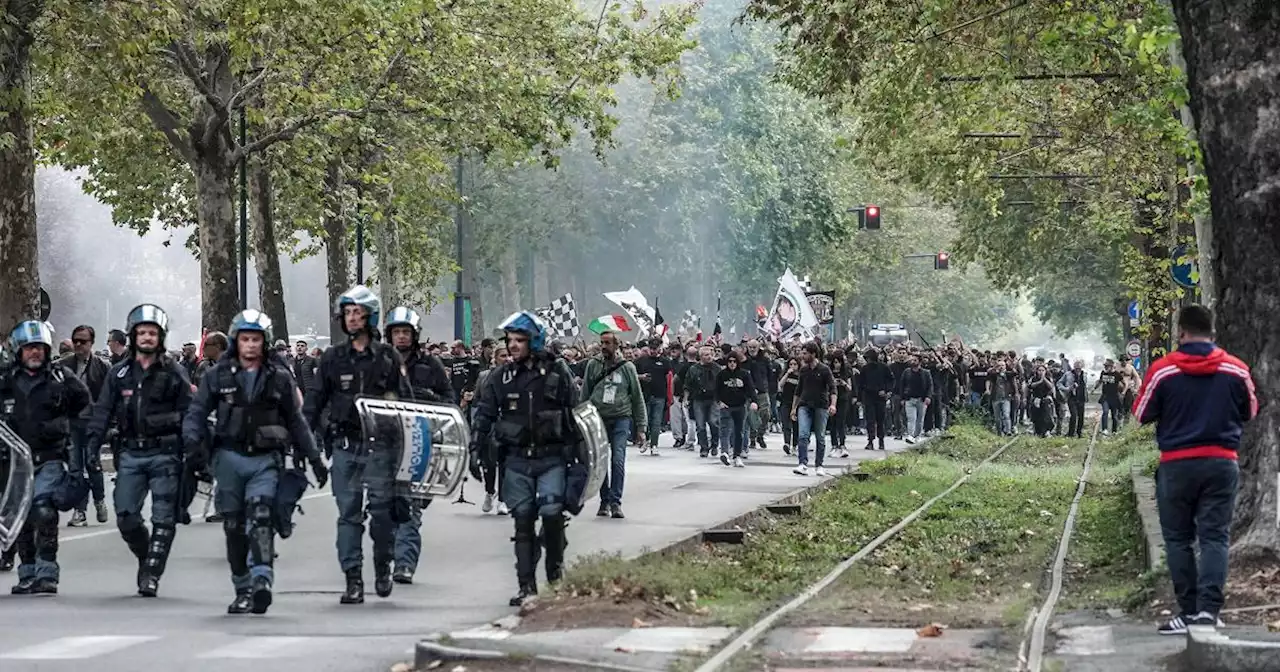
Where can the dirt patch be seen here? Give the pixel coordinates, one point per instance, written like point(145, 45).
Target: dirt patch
point(623, 610)
point(506, 665)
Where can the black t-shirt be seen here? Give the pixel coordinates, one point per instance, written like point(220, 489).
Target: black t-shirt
point(657, 368)
point(1110, 381)
point(463, 372)
point(978, 379)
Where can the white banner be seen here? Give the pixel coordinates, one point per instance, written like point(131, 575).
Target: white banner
point(637, 307)
point(792, 316)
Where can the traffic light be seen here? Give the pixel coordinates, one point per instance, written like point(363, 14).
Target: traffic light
point(941, 261)
point(870, 216)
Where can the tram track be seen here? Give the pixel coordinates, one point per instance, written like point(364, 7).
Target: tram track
point(1032, 648)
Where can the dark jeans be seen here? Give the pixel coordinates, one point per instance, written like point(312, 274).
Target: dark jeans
point(706, 420)
point(657, 409)
point(733, 420)
point(875, 405)
point(1196, 498)
point(1077, 416)
point(86, 459)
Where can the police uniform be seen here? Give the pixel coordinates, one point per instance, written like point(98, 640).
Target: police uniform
point(147, 405)
point(38, 406)
point(428, 381)
point(257, 418)
point(344, 374)
point(525, 411)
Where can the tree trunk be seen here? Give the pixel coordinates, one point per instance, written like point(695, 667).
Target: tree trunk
point(337, 256)
point(387, 254)
point(266, 253)
point(467, 248)
point(510, 282)
point(19, 267)
point(215, 196)
point(1230, 49)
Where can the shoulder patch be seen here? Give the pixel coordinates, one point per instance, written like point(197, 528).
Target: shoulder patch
point(124, 371)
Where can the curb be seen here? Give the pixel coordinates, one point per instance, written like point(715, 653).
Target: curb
point(1144, 495)
point(1212, 651)
point(429, 651)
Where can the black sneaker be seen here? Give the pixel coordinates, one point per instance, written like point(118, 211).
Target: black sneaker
point(526, 593)
point(724, 458)
point(243, 604)
point(615, 511)
point(403, 575)
point(44, 587)
point(6, 563)
point(77, 519)
point(678, 444)
point(603, 511)
point(1174, 626)
point(24, 587)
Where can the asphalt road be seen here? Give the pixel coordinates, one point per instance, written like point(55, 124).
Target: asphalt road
point(464, 579)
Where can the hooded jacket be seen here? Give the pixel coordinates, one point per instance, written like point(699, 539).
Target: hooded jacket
point(1199, 397)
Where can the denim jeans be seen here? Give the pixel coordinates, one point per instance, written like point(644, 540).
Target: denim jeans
point(536, 487)
point(86, 460)
point(1004, 422)
point(1196, 498)
point(705, 421)
point(353, 471)
point(680, 421)
point(619, 430)
point(813, 422)
point(1112, 411)
point(915, 416)
point(734, 421)
point(657, 407)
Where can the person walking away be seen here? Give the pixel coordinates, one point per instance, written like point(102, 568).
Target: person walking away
point(653, 371)
point(815, 401)
point(1199, 398)
point(1110, 381)
point(38, 400)
point(85, 459)
point(734, 391)
point(610, 383)
point(700, 391)
point(877, 382)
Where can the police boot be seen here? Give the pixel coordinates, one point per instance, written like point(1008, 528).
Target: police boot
point(527, 549)
point(261, 594)
point(403, 575)
point(354, 594)
point(157, 556)
point(24, 587)
point(382, 583)
point(243, 604)
point(553, 538)
point(6, 559)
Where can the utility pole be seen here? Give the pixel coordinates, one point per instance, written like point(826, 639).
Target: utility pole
point(244, 214)
point(461, 304)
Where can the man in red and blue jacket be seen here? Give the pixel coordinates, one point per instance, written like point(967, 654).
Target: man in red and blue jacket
point(1200, 397)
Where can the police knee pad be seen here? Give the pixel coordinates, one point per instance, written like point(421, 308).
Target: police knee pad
point(233, 523)
point(43, 514)
point(262, 534)
point(262, 511)
point(524, 529)
point(130, 522)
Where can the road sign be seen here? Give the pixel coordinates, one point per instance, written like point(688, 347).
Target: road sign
point(1135, 313)
point(46, 306)
point(1182, 269)
point(1133, 349)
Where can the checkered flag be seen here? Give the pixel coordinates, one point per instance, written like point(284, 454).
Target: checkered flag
point(689, 322)
point(806, 284)
point(561, 317)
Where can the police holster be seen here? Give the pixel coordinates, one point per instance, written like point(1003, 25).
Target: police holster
point(289, 491)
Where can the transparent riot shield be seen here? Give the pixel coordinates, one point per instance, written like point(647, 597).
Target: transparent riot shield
point(595, 450)
point(433, 439)
point(17, 473)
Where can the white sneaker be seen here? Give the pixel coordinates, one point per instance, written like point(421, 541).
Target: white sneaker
point(737, 462)
point(844, 453)
point(724, 459)
point(502, 509)
point(910, 439)
point(801, 470)
point(653, 451)
point(819, 472)
point(644, 449)
point(488, 503)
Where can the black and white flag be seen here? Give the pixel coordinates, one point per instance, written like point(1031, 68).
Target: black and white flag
point(561, 317)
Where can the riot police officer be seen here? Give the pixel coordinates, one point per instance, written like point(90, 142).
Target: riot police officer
point(428, 382)
point(259, 414)
point(38, 399)
point(362, 366)
point(147, 393)
point(525, 411)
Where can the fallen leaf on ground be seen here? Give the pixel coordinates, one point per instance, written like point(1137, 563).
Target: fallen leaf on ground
point(1026, 586)
point(622, 649)
point(434, 664)
point(402, 667)
point(460, 668)
point(931, 630)
point(637, 623)
point(1273, 626)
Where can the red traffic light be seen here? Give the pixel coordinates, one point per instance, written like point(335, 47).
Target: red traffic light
point(869, 217)
point(941, 261)
point(873, 210)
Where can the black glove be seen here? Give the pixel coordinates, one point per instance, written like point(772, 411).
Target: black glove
point(473, 465)
point(196, 454)
point(321, 471)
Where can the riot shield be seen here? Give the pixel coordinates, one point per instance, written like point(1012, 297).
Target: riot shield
point(433, 438)
point(18, 474)
point(594, 450)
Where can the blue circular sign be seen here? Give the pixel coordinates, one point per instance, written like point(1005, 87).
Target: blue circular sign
point(1182, 267)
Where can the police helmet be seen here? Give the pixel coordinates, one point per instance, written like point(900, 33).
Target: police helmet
point(529, 324)
point(364, 297)
point(251, 320)
point(403, 316)
point(31, 332)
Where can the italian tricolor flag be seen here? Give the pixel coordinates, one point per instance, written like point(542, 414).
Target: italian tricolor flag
point(609, 323)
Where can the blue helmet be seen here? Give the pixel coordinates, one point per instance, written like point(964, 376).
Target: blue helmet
point(364, 297)
point(403, 316)
point(31, 332)
point(251, 320)
point(529, 324)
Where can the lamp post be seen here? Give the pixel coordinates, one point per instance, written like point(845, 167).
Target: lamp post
point(244, 215)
